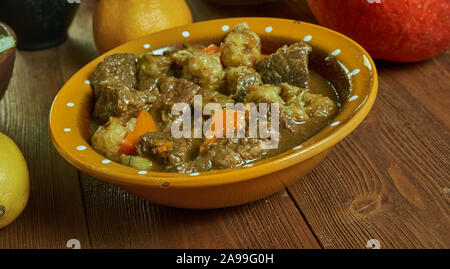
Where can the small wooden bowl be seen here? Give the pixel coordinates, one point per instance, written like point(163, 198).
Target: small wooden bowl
point(6, 60)
point(337, 58)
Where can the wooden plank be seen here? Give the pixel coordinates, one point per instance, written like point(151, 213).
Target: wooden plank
point(427, 81)
point(54, 213)
point(389, 179)
point(117, 219)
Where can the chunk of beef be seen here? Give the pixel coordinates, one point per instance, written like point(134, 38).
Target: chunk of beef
point(289, 64)
point(175, 90)
point(227, 153)
point(178, 90)
point(173, 152)
point(114, 82)
point(121, 101)
point(172, 91)
point(305, 112)
point(150, 85)
point(238, 79)
point(300, 110)
point(117, 69)
point(241, 47)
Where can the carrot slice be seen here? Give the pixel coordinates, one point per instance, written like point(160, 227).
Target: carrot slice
point(144, 124)
point(211, 49)
point(164, 146)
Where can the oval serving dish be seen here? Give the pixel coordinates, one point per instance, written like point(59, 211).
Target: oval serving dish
point(337, 58)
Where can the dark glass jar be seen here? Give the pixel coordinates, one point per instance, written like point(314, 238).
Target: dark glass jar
point(38, 24)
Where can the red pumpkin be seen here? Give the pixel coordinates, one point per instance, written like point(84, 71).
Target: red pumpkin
point(394, 30)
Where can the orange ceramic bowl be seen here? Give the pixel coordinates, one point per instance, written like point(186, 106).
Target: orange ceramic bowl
point(335, 57)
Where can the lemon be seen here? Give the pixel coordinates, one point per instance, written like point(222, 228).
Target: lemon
point(14, 181)
point(117, 22)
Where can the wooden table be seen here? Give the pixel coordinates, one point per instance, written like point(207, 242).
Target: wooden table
point(388, 180)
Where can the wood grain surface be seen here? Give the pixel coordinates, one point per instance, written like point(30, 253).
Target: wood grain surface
point(388, 180)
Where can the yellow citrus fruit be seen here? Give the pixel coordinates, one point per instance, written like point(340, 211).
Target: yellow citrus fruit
point(14, 181)
point(117, 22)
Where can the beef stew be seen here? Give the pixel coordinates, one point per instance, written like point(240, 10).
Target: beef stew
point(134, 97)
